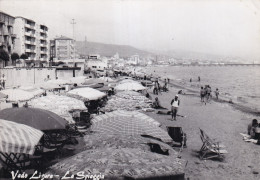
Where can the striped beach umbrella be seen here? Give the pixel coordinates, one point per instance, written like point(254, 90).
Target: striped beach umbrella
point(129, 122)
point(124, 163)
point(89, 93)
point(18, 138)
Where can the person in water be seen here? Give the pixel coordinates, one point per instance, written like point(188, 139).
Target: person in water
point(175, 103)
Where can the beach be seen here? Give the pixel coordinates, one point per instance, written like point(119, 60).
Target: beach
point(221, 122)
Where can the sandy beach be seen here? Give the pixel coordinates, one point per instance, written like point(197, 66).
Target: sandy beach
point(221, 122)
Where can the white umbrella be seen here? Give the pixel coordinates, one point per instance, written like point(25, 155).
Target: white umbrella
point(106, 79)
point(17, 95)
point(130, 86)
point(78, 80)
point(33, 90)
point(89, 93)
point(59, 81)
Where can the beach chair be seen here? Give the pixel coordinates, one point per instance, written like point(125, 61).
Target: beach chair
point(177, 135)
point(210, 148)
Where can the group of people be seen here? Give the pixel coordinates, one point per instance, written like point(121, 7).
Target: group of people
point(205, 93)
point(157, 88)
point(2, 82)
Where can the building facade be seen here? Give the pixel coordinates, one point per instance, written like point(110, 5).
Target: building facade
point(62, 48)
point(7, 36)
point(31, 39)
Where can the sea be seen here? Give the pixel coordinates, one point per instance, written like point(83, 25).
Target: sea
point(241, 84)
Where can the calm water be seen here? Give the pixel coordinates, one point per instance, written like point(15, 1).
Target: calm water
point(239, 83)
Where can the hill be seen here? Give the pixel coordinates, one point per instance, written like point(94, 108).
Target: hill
point(108, 49)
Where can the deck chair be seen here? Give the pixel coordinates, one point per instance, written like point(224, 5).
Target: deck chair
point(210, 148)
point(177, 135)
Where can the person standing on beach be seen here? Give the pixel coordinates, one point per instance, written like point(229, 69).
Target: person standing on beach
point(217, 93)
point(175, 103)
point(199, 78)
point(202, 94)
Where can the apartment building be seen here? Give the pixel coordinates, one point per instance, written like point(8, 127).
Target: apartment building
point(31, 39)
point(62, 48)
point(7, 37)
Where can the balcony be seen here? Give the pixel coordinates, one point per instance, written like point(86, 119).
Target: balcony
point(29, 26)
point(44, 52)
point(43, 45)
point(13, 35)
point(30, 50)
point(30, 42)
point(43, 37)
point(29, 34)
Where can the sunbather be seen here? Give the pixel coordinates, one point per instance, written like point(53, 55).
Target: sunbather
point(157, 104)
point(251, 129)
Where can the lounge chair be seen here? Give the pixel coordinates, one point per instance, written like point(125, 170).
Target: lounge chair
point(177, 135)
point(210, 148)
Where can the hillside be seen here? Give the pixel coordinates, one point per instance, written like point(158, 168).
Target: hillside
point(108, 49)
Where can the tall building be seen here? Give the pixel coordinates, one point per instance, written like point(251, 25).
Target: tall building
point(62, 48)
point(32, 39)
point(7, 37)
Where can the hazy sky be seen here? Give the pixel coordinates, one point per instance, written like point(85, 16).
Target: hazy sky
point(222, 27)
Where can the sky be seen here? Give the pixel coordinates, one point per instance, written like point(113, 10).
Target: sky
point(219, 27)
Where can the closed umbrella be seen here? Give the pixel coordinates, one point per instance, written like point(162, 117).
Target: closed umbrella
point(18, 138)
point(124, 163)
point(130, 123)
point(36, 118)
point(15, 95)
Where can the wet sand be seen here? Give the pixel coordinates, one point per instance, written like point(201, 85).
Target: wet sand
point(220, 121)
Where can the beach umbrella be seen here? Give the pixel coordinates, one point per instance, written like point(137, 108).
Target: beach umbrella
point(59, 81)
point(78, 79)
point(124, 163)
point(17, 95)
point(33, 90)
point(130, 86)
point(93, 81)
point(60, 105)
point(48, 86)
point(34, 117)
point(89, 93)
point(130, 123)
point(18, 138)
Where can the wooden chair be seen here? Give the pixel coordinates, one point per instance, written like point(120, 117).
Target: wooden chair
point(210, 148)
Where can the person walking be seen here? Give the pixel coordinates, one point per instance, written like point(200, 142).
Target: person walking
point(202, 94)
point(175, 103)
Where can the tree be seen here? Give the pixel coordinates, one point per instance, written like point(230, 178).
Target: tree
point(4, 56)
point(14, 57)
point(24, 56)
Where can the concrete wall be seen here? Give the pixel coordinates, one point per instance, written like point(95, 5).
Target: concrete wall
point(65, 74)
point(26, 76)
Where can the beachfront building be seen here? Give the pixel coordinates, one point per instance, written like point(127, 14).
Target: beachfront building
point(95, 62)
point(62, 48)
point(134, 60)
point(7, 37)
point(32, 39)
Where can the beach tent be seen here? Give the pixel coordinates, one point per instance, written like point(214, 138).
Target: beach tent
point(130, 123)
point(15, 95)
point(60, 105)
point(122, 163)
point(18, 138)
point(88, 93)
point(33, 117)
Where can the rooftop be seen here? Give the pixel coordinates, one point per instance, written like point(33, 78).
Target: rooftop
point(63, 38)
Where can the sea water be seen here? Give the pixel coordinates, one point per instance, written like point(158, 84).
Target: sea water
point(241, 84)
